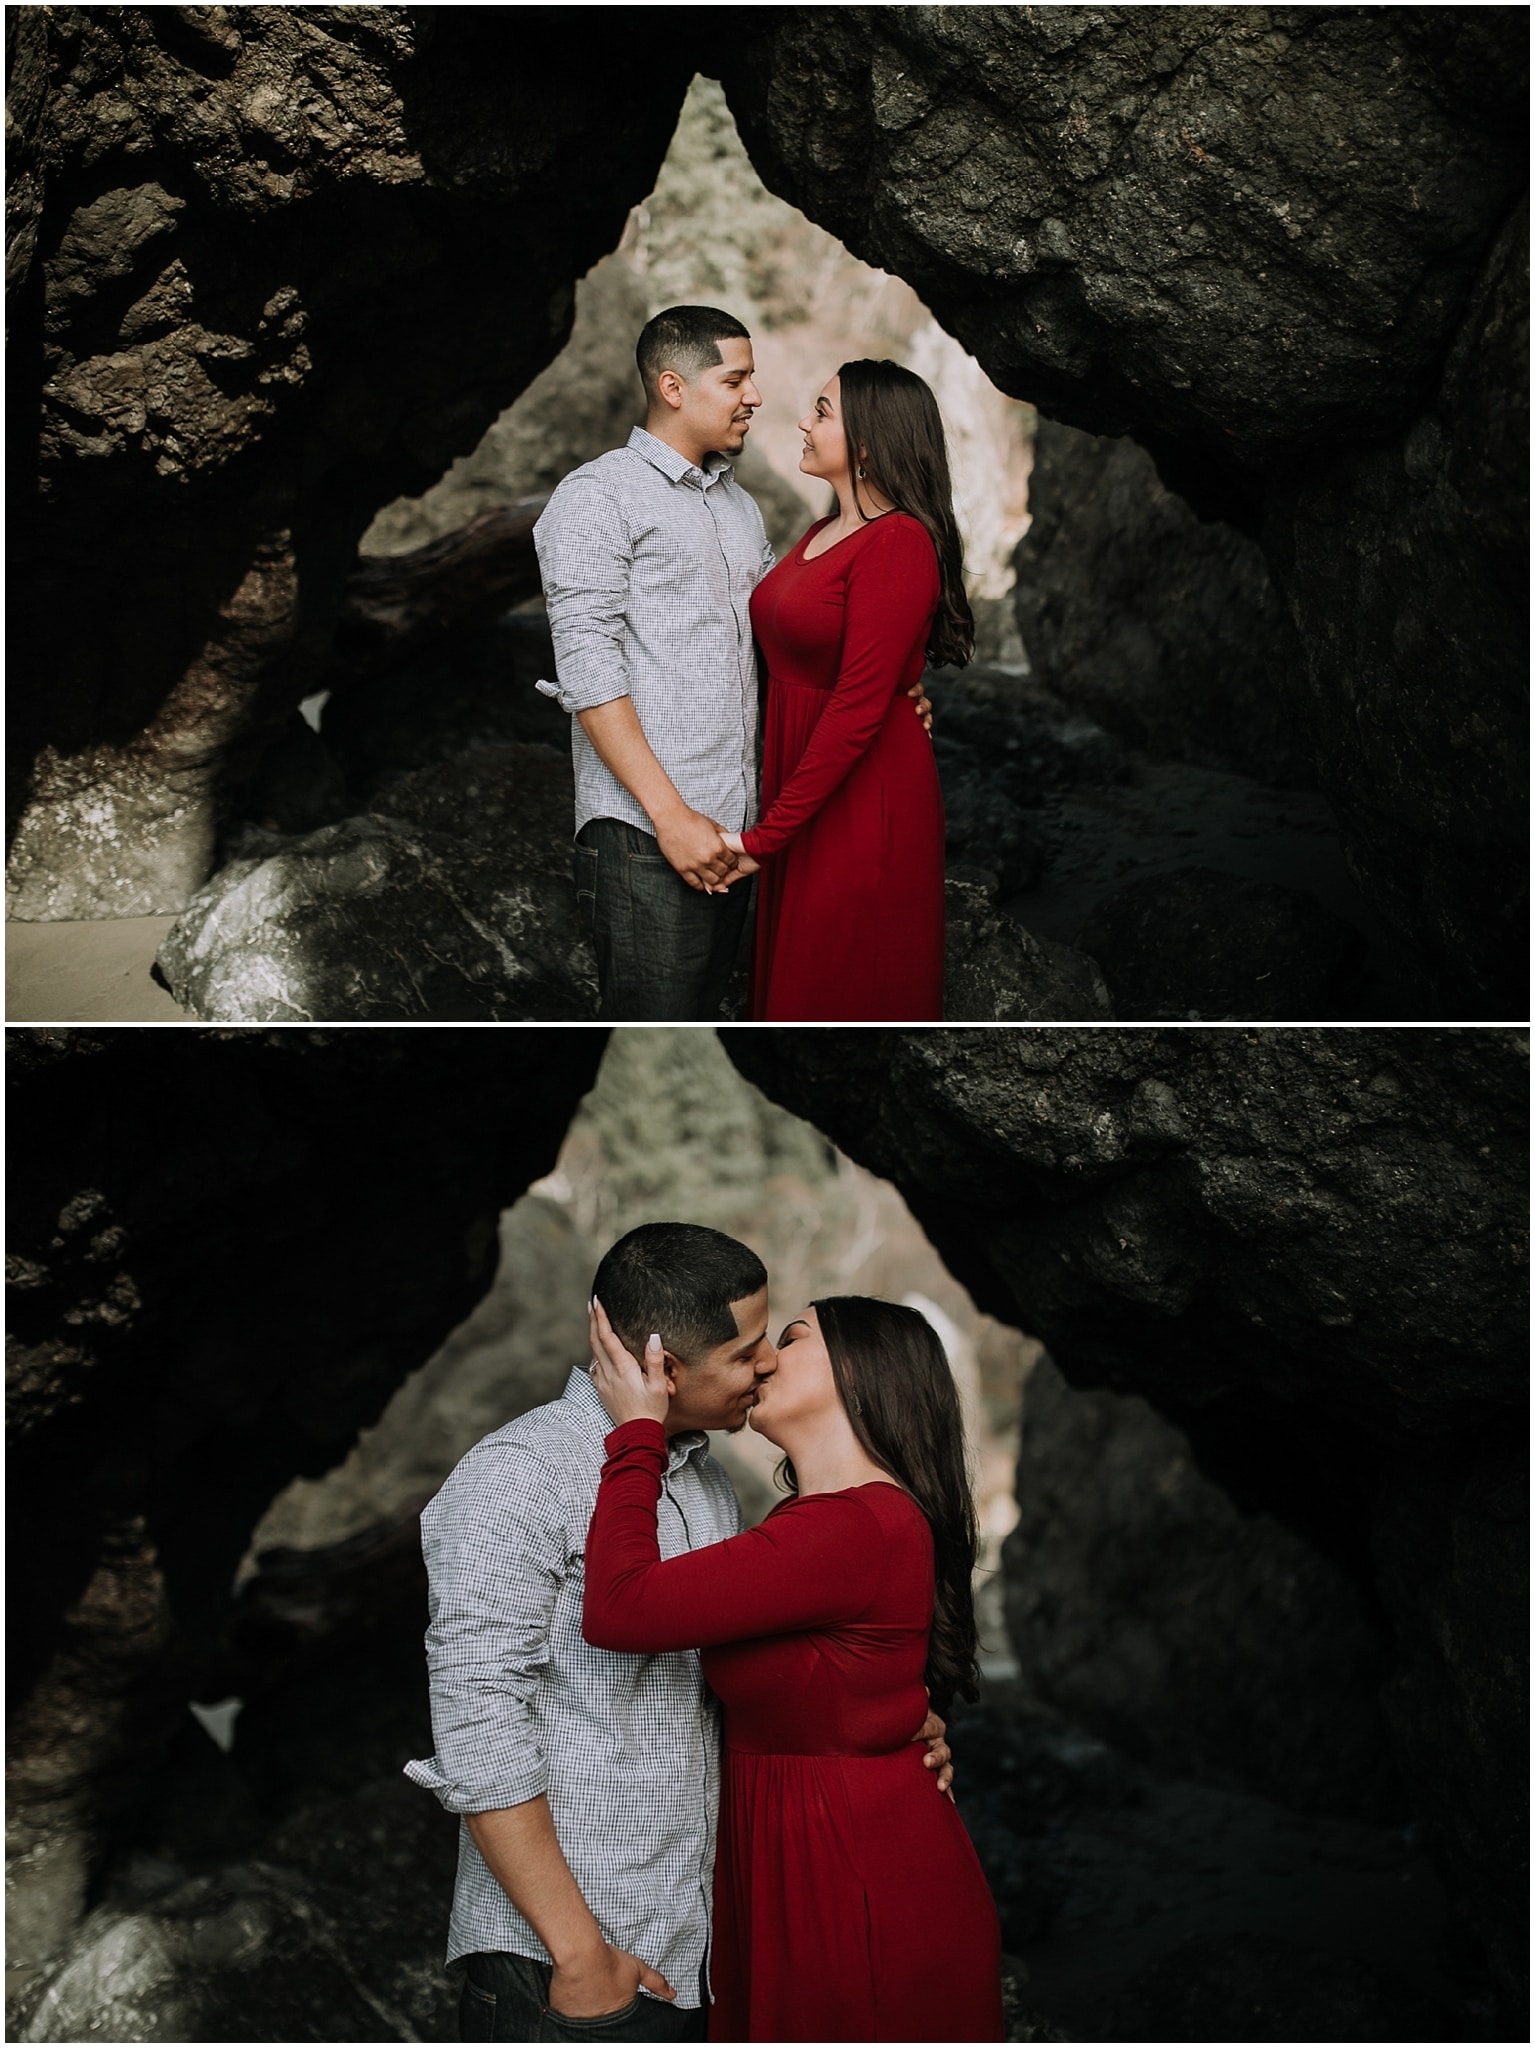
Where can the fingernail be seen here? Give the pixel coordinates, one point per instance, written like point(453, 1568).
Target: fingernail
point(655, 1340)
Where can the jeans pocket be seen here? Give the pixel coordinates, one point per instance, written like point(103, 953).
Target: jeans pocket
point(558, 2026)
point(476, 2013)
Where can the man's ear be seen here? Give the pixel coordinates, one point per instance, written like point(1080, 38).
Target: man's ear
point(669, 1365)
point(670, 387)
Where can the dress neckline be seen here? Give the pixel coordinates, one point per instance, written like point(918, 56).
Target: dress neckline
point(857, 534)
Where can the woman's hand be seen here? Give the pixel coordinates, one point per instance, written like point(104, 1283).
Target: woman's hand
point(924, 705)
point(940, 1757)
point(744, 866)
point(630, 1389)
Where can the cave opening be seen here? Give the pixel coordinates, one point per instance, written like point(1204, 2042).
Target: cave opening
point(1179, 1776)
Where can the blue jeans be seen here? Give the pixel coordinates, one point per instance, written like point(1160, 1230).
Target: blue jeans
point(506, 1998)
point(664, 951)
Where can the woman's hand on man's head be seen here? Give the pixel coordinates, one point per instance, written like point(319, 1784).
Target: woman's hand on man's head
point(631, 1389)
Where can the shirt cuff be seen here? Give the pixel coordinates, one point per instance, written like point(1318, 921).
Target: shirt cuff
point(583, 695)
point(514, 1790)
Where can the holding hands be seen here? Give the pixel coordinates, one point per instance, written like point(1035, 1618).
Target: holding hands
point(631, 1389)
point(745, 865)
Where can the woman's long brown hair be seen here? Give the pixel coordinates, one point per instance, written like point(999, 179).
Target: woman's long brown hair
point(895, 1383)
point(890, 415)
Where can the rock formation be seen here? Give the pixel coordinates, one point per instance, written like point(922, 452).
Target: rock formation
point(1246, 947)
point(1279, 247)
point(1161, 627)
point(269, 267)
point(228, 1249)
point(1146, 1607)
point(997, 971)
point(448, 899)
point(1306, 1250)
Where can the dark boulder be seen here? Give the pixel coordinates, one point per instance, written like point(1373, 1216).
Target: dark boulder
point(253, 299)
point(452, 899)
point(1147, 1608)
point(1196, 224)
point(1197, 943)
point(1406, 567)
point(1326, 1218)
point(984, 825)
point(1139, 1906)
point(223, 1263)
point(287, 1945)
point(1162, 627)
point(997, 972)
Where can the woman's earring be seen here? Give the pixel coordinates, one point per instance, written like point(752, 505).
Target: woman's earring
point(860, 469)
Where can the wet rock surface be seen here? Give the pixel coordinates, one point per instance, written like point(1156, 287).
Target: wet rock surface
point(450, 900)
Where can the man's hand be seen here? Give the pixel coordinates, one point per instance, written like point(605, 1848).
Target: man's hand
point(695, 847)
point(939, 1757)
point(924, 705)
point(602, 1981)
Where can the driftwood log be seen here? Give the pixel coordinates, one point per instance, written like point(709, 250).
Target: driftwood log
point(397, 604)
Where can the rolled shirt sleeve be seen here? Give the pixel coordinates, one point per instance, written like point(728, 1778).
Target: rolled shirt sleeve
point(496, 1551)
point(586, 559)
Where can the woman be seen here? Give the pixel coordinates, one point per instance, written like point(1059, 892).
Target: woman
point(850, 840)
point(848, 1901)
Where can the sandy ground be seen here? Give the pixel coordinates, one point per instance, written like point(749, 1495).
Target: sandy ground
point(95, 973)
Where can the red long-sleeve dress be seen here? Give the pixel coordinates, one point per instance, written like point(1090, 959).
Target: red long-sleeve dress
point(850, 898)
point(848, 1901)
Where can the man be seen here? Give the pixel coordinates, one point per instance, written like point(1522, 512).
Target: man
point(649, 557)
point(588, 1782)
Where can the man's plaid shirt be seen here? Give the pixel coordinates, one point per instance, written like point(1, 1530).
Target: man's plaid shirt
point(648, 566)
point(626, 1747)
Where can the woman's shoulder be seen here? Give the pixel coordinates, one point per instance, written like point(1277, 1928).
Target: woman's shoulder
point(850, 1507)
point(901, 536)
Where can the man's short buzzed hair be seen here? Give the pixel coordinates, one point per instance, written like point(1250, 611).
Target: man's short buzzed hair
point(679, 1279)
point(685, 339)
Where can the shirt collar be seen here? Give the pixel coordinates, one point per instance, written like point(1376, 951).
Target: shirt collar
point(580, 1391)
point(677, 467)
